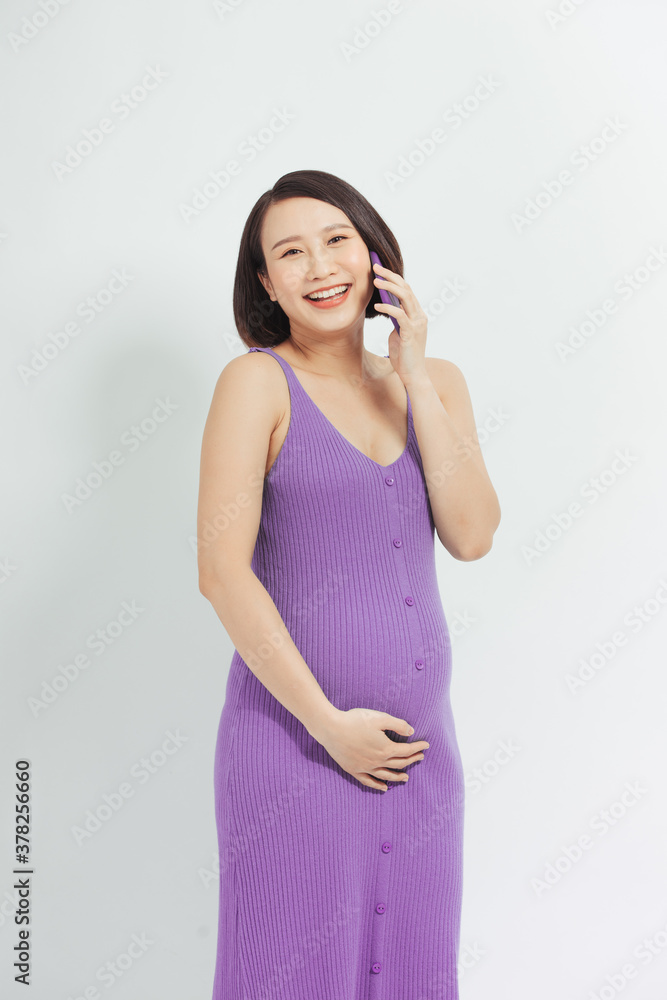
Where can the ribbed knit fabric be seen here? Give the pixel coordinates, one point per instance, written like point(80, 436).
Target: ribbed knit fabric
point(329, 889)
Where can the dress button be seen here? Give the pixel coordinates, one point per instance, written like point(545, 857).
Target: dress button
point(419, 664)
point(375, 967)
point(410, 601)
point(398, 543)
point(386, 847)
point(380, 908)
point(389, 480)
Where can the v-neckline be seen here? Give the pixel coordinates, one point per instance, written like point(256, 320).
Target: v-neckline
point(339, 433)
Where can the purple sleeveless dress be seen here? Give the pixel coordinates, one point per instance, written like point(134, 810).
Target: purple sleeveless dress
point(329, 889)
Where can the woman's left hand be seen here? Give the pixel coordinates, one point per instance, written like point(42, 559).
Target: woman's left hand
point(406, 351)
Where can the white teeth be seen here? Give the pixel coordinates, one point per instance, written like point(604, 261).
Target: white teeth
point(329, 292)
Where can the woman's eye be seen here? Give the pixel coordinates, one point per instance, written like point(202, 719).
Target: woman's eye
point(294, 250)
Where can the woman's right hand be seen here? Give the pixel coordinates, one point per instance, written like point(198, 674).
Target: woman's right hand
point(356, 740)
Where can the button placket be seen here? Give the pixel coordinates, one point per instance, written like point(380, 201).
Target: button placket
point(383, 894)
point(416, 662)
point(412, 676)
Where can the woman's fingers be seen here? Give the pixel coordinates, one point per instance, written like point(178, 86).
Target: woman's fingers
point(407, 751)
point(370, 781)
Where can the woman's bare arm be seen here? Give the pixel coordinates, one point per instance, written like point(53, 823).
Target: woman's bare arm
point(464, 503)
point(244, 411)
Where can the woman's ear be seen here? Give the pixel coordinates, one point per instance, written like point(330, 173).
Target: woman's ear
point(267, 285)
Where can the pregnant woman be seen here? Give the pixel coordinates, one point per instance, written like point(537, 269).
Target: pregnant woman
point(326, 473)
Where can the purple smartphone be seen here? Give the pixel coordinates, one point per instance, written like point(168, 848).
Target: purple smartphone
point(386, 296)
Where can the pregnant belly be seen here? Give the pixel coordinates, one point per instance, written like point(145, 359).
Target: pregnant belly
point(394, 671)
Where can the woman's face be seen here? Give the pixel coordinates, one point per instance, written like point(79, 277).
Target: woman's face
point(310, 245)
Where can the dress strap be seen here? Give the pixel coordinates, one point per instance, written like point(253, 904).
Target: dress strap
point(297, 392)
point(287, 368)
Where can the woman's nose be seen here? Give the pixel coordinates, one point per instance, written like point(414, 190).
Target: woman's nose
point(319, 265)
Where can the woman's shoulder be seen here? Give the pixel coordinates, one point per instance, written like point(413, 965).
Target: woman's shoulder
point(253, 365)
point(443, 368)
point(445, 374)
point(253, 378)
point(450, 384)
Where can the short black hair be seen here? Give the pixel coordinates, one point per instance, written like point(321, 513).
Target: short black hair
point(262, 322)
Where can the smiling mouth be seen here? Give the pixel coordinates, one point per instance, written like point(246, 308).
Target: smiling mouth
point(331, 297)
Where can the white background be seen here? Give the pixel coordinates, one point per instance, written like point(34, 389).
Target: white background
point(361, 97)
